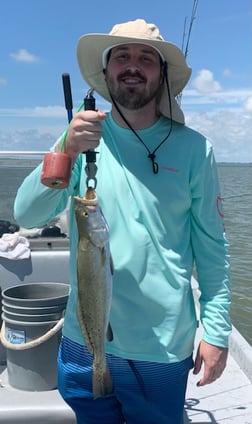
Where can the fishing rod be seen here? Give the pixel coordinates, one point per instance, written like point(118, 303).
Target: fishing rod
point(193, 17)
point(68, 96)
point(186, 48)
point(57, 166)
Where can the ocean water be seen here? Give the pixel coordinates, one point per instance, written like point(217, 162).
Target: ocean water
point(235, 180)
point(236, 188)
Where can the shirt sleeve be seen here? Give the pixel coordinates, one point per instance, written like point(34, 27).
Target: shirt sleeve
point(210, 249)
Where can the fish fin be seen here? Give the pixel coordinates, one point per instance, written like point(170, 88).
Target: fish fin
point(110, 335)
point(83, 327)
point(102, 382)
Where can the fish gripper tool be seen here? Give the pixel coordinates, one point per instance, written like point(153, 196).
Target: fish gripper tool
point(91, 167)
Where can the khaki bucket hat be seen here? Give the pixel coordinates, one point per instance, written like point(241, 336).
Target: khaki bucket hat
point(91, 49)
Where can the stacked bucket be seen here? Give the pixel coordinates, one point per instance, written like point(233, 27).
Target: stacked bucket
point(32, 319)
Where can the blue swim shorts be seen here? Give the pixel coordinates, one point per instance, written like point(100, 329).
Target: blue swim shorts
point(144, 392)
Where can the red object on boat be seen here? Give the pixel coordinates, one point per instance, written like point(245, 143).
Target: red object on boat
point(56, 170)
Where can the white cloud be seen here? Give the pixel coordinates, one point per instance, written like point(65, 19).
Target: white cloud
point(3, 81)
point(205, 82)
point(229, 132)
point(49, 112)
point(227, 73)
point(37, 139)
point(248, 105)
point(219, 100)
point(224, 117)
point(22, 55)
point(36, 112)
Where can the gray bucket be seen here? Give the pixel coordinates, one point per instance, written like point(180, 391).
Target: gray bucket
point(32, 316)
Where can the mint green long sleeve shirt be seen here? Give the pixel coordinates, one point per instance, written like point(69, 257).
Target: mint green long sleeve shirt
point(161, 227)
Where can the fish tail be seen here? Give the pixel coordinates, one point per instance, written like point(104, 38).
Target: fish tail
point(102, 381)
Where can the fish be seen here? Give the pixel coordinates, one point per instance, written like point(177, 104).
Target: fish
point(95, 278)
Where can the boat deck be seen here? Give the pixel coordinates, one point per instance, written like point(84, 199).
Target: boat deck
point(228, 400)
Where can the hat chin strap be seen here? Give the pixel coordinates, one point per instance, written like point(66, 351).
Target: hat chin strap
point(151, 155)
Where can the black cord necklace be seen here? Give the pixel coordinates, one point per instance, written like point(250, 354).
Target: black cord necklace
point(151, 154)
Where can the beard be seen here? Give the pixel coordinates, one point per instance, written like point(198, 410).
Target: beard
point(132, 98)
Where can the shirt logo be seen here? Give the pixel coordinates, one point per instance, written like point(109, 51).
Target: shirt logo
point(169, 168)
point(219, 206)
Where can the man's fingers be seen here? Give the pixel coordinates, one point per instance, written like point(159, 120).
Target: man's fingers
point(213, 361)
point(197, 365)
point(210, 375)
point(207, 378)
point(91, 115)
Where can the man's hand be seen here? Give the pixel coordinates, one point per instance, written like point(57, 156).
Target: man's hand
point(84, 132)
point(214, 359)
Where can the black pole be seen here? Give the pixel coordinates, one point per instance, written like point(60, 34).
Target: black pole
point(68, 96)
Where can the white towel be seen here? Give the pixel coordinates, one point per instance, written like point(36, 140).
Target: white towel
point(14, 246)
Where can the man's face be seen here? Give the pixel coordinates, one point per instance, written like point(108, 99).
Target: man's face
point(134, 75)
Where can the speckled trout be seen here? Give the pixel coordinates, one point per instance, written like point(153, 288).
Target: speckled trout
point(94, 271)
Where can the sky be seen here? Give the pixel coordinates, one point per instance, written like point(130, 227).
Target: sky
point(38, 42)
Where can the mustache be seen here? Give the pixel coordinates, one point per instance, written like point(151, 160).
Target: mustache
point(128, 74)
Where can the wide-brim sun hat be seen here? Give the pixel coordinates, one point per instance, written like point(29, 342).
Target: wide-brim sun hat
point(92, 47)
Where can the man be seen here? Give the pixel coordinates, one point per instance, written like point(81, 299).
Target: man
point(158, 188)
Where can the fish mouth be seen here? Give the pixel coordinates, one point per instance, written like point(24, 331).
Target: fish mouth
point(90, 200)
point(85, 206)
point(89, 203)
point(90, 197)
